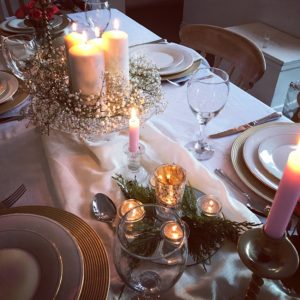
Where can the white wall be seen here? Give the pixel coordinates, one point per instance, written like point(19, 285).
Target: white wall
point(281, 14)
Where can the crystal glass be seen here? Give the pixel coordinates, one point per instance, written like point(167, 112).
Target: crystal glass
point(150, 250)
point(97, 14)
point(207, 93)
point(18, 51)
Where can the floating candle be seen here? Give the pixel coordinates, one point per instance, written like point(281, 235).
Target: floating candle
point(286, 197)
point(135, 214)
point(173, 232)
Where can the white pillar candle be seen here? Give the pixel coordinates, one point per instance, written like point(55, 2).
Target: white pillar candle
point(73, 38)
point(116, 51)
point(86, 69)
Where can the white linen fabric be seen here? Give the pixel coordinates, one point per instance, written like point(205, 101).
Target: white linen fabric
point(82, 168)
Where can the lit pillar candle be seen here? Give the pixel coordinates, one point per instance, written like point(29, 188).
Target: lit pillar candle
point(286, 197)
point(116, 51)
point(98, 42)
point(134, 131)
point(74, 38)
point(86, 67)
point(173, 232)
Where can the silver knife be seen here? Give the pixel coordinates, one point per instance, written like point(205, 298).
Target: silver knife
point(272, 117)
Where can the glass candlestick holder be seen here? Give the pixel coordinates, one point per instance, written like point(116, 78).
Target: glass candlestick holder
point(134, 170)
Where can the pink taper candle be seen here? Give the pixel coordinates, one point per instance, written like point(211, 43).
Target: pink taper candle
point(134, 131)
point(286, 197)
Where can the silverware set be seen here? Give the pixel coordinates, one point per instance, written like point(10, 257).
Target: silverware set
point(13, 198)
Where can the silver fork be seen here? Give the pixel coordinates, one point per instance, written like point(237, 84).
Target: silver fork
point(11, 200)
point(263, 213)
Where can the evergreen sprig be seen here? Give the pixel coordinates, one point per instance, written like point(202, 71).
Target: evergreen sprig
point(207, 234)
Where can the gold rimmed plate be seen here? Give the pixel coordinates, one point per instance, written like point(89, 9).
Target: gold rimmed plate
point(96, 267)
point(241, 168)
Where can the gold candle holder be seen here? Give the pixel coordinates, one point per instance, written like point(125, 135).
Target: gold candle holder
point(170, 182)
point(136, 214)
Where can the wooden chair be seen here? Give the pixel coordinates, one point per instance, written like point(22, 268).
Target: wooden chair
point(235, 54)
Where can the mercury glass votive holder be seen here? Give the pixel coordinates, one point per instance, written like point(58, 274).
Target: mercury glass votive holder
point(209, 205)
point(170, 180)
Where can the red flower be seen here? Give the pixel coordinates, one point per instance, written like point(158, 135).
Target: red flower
point(35, 14)
point(21, 13)
point(31, 4)
point(52, 11)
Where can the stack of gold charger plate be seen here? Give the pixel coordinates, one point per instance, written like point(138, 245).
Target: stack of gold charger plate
point(259, 155)
point(64, 255)
point(172, 60)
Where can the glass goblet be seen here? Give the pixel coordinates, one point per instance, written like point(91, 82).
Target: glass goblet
point(207, 93)
point(97, 14)
point(18, 51)
point(150, 250)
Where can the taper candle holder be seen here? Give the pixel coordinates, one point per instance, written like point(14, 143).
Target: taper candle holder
point(267, 258)
point(134, 170)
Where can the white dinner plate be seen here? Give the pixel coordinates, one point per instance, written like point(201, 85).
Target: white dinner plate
point(46, 267)
point(170, 59)
point(66, 244)
point(251, 157)
point(20, 24)
point(12, 86)
point(6, 28)
point(274, 151)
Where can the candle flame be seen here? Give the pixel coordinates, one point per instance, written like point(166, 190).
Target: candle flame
point(168, 176)
point(74, 26)
point(84, 35)
point(133, 113)
point(97, 31)
point(116, 24)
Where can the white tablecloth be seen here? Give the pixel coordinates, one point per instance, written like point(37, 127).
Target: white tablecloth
point(60, 171)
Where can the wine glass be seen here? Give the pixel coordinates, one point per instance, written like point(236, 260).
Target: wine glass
point(207, 93)
point(150, 249)
point(18, 51)
point(97, 14)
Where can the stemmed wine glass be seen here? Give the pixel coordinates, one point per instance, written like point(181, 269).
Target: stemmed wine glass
point(18, 51)
point(150, 250)
point(207, 93)
point(97, 14)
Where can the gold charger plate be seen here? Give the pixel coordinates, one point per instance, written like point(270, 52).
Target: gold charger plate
point(241, 168)
point(96, 267)
point(17, 99)
point(190, 70)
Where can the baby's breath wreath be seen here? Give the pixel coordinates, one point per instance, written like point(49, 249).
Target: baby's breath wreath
point(55, 105)
point(207, 234)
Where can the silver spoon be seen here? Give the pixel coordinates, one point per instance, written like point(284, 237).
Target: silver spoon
point(103, 208)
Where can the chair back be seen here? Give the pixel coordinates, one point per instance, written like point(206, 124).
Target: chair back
point(9, 7)
point(238, 56)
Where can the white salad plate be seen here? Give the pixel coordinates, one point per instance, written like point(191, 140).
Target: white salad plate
point(55, 233)
point(31, 263)
point(274, 151)
point(11, 85)
point(169, 58)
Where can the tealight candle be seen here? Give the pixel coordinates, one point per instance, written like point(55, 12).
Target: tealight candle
point(169, 185)
point(135, 214)
point(116, 51)
point(173, 232)
point(286, 197)
point(209, 205)
point(134, 131)
point(86, 67)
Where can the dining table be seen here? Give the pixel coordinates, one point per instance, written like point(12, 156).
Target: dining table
point(62, 171)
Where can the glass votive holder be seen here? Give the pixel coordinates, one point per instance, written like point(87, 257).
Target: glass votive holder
point(170, 180)
point(209, 205)
point(172, 232)
point(135, 215)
